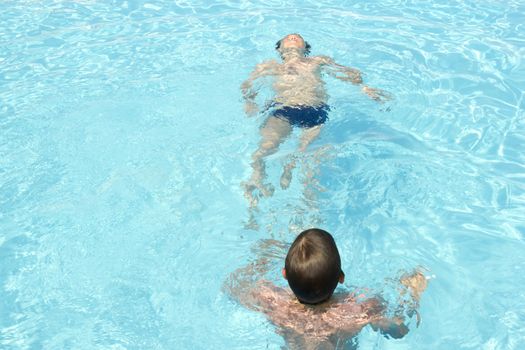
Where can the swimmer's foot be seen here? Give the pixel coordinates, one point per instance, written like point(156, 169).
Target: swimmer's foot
point(286, 177)
point(251, 224)
point(267, 190)
point(250, 188)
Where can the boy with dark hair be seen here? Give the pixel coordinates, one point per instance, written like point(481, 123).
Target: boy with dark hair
point(310, 316)
point(313, 266)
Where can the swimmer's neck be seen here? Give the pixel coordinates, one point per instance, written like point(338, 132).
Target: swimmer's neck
point(292, 54)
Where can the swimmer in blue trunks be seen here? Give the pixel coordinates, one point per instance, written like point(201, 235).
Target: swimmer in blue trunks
point(300, 101)
point(303, 116)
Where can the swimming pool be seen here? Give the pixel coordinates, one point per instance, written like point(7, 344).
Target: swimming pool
point(123, 143)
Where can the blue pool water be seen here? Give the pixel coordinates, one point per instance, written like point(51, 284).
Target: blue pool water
point(123, 143)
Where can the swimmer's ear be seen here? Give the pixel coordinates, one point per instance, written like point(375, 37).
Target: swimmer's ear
point(278, 45)
point(284, 273)
point(307, 48)
point(342, 277)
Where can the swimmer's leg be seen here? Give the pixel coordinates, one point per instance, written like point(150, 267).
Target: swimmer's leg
point(307, 137)
point(273, 133)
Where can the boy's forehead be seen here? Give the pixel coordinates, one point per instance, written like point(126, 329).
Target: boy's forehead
point(292, 35)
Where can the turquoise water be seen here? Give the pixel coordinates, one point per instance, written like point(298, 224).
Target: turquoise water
point(123, 143)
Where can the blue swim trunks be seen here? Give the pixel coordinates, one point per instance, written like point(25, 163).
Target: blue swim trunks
point(303, 116)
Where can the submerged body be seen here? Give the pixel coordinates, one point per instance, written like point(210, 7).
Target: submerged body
point(327, 325)
point(300, 100)
point(341, 312)
point(297, 80)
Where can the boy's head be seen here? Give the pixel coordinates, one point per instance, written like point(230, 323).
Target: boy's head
point(293, 41)
point(313, 266)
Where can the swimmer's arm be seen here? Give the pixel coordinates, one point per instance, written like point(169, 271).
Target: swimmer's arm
point(241, 285)
point(355, 77)
point(391, 327)
point(374, 309)
point(248, 286)
point(261, 70)
point(395, 327)
point(341, 72)
point(249, 93)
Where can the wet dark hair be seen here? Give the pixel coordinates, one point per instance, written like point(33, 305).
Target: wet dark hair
point(313, 266)
point(307, 47)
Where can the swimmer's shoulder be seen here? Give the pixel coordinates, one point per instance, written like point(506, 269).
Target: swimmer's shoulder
point(351, 312)
point(270, 296)
point(268, 64)
point(322, 59)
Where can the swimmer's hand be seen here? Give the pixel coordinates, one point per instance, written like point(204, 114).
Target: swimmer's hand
point(416, 283)
point(391, 327)
point(250, 108)
point(378, 95)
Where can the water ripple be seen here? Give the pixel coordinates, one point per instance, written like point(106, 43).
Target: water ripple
point(120, 164)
